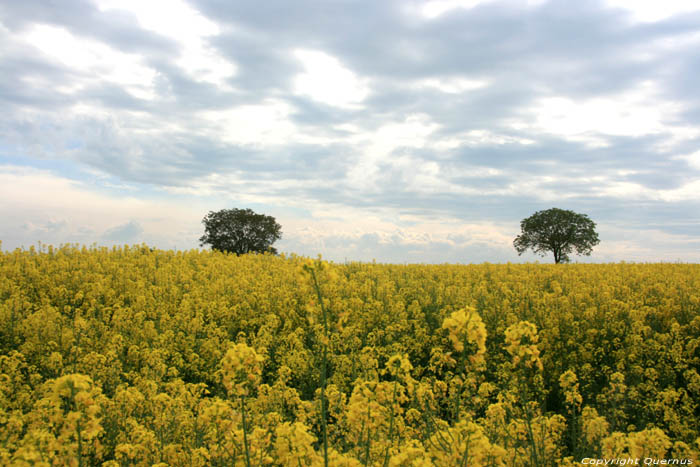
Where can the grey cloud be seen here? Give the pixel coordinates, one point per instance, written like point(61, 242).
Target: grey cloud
point(125, 233)
point(118, 28)
point(371, 246)
point(55, 226)
point(47, 227)
point(579, 50)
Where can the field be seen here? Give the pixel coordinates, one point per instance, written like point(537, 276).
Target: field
point(133, 356)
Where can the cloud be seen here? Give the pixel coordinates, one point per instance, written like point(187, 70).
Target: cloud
point(263, 124)
point(635, 112)
point(326, 80)
point(93, 60)
point(185, 26)
point(52, 209)
point(475, 112)
point(651, 11)
point(125, 233)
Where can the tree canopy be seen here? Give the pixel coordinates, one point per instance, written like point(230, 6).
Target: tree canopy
point(558, 231)
point(240, 231)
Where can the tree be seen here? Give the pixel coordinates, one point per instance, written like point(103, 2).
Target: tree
point(240, 231)
point(559, 231)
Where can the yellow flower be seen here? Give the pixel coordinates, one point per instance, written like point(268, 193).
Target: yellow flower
point(465, 326)
point(464, 444)
point(241, 369)
point(294, 445)
point(569, 384)
point(521, 340)
point(651, 442)
point(594, 427)
point(399, 366)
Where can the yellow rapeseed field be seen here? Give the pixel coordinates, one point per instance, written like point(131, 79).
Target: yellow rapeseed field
point(133, 356)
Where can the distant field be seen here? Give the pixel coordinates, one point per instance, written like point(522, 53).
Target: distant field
point(130, 356)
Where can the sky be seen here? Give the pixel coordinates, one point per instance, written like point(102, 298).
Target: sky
point(399, 131)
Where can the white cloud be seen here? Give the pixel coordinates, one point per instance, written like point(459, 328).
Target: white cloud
point(640, 10)
point(687, 192)
point(693, 159)
point(268, 123)
point(635, 112)
point(452, 85)
point(435, 8)
point(654, 10)
point(625, 190)
point(377, 146)
point(178, 21)
point(629, 244)
point(327, 80)
point(124, 233)
point(610, 186)
point(481, 137)
point(420, 176)
point(53, 209)
point(406, 142)
point(262, 124)
point(413, 132)
point(172, 18)
point(381, 235)
point(96, 61)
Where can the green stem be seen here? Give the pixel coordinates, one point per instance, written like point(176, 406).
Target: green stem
point(80, 447)
point(457, 403)
point(465, 458)
point(533, 446)
point(245, 433)
point(80, 437)
point(324, 422)
point(368, 437)
point(432, 429)
point(460, 372)
point(391, 427)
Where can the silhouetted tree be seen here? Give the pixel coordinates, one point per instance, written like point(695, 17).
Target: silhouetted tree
point(240, 231)
point(559, 231)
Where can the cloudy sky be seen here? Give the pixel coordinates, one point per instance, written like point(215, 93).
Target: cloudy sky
point(395, 130)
